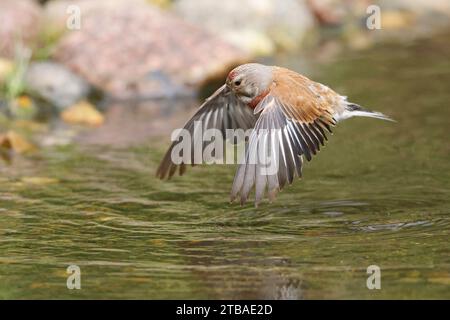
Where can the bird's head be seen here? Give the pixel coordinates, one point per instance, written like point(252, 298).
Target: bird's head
point(248, 81)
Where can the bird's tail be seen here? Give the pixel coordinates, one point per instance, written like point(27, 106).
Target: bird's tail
point(355, 110)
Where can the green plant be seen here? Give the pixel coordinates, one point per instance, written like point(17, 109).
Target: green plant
point(47, 40)
point(15, 83)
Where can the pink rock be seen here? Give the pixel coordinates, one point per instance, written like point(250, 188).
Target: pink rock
point(133, 49)
point(19, 24)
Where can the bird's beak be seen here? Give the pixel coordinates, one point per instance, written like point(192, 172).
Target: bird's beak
point(227, 90)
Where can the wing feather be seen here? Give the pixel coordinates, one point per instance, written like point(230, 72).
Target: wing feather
point(293, 120)
point(222, 110)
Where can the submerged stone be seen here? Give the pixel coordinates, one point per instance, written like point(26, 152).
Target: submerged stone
point(55, 83)
point(83, 113)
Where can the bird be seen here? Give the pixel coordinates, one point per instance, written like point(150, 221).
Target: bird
point(266, 99)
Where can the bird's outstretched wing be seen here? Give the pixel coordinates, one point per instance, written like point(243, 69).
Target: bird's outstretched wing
point(222, 111)
point(293, 121)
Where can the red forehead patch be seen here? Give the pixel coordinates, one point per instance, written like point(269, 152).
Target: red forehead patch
point(231, 75)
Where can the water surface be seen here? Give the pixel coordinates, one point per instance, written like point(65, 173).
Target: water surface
point(377, 194)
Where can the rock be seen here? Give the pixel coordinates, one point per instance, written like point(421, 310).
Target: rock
point(15, 142)
point(357, 39)
point(39, 180)
point(396, 20)
point(56, 13)
point(20, 22)
point(418, 6)
point(423, 15)
point(260, 44)
point(284, 23)
point(161, 3)
point(55, 83)
point(83, 113)
point(122, 45)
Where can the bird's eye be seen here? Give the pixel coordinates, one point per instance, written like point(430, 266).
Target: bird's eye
point(237, 82)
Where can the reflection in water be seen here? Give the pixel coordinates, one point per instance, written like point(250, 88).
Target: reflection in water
point(377, 194)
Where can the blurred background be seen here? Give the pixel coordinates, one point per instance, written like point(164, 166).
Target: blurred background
point(90, 92)
point(77, 60)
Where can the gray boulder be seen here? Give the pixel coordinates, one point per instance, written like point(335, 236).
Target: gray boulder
point(55, 83)
point(259, 27)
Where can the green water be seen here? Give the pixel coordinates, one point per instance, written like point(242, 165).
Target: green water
point(378, 194)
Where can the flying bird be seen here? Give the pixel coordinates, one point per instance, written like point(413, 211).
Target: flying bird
point(269, 99)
